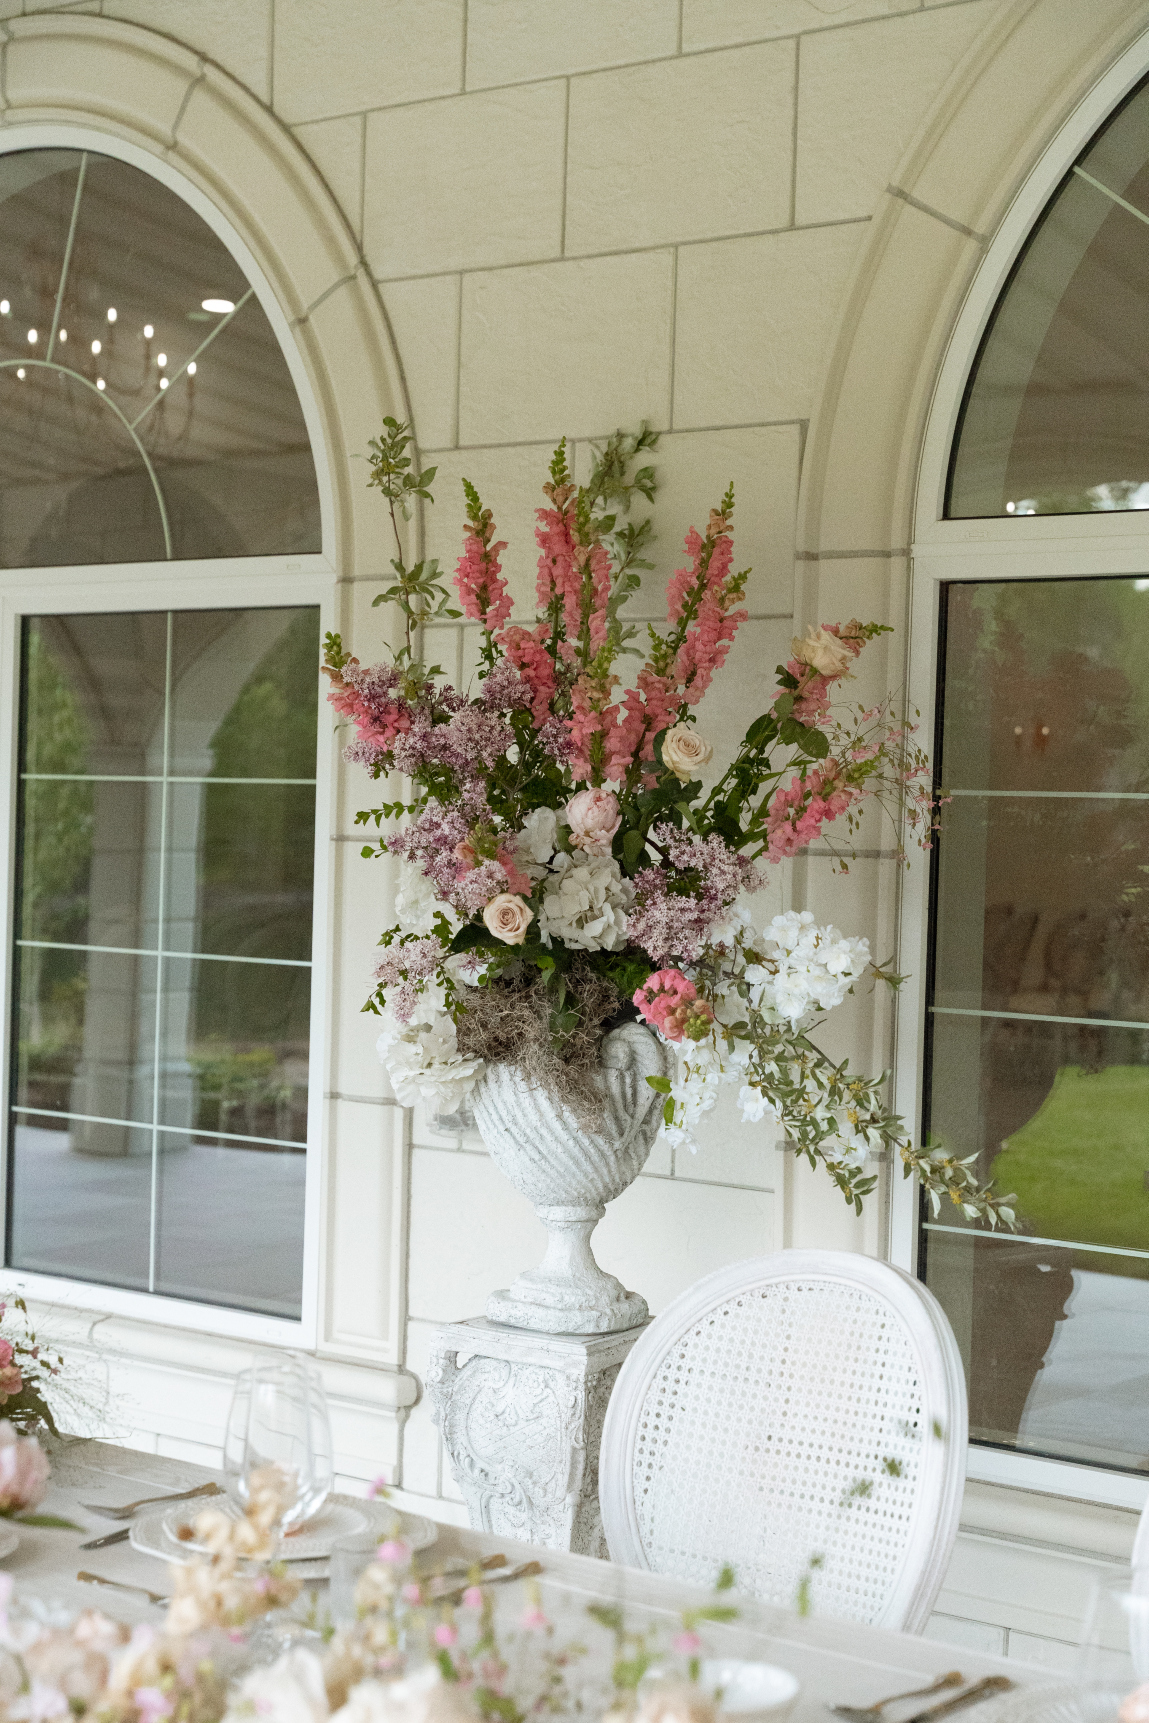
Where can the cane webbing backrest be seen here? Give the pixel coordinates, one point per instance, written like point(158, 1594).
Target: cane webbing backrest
point(802, 1417)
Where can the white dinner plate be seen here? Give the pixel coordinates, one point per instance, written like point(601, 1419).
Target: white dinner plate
point(340, 1516)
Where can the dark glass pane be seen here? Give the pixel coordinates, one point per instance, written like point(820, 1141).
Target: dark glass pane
point(1046, 685)
point(235, 1049)
point(245, 693)
point(80, 1201)
point(1041, 913)
point(95, 694)
point(1056, 415)
point(240, 867)
point(231, 1224)
point(86, 1033)
point(218, 463)
point(1043, 906)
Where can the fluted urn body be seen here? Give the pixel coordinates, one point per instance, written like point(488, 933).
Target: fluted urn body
point(570, 1173)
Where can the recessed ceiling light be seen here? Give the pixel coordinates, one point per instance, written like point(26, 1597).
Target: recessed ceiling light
point(148, 331)
point(32, 337)
point(20, 373)
point(5, 308)
point(95, 346)
point(63, 335)
point(161, 360)
point(99, 382)
point(111, 314)
point(163, 382)
point(220, 305)
point(191, 369)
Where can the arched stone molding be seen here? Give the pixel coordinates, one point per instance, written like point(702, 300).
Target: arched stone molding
point(151, 92)
point(1004, 103)
point(156, 100)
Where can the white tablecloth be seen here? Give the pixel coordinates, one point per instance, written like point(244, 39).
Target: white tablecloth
point(835, 1661)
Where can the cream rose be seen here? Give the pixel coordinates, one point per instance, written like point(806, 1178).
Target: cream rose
point(822, 652)
point(685, 752)
point(508, 918)
point(594, 818)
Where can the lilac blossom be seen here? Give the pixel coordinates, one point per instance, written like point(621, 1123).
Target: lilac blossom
point(673, 918)
point(504, 690)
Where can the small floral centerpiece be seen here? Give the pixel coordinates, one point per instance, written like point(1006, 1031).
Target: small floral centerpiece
point(571, 853)
point(29, 1370)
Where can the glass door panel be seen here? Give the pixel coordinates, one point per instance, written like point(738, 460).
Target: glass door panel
point(1038, 1033)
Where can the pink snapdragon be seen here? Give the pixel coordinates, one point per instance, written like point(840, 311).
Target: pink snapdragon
point(558, 575)
point(798, 812)
point(371, 699)
point(478, 574)
point(527, 650)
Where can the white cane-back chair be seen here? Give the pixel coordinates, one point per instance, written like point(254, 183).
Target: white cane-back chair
point(801, 1416)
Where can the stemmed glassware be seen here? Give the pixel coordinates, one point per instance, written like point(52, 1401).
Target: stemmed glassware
point(279, 1418)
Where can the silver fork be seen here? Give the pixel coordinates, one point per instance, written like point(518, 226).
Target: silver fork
point(126, 1513)
point(122, 1585)
point(872, 1713)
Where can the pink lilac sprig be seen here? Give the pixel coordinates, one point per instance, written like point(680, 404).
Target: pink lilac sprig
point(679, 906)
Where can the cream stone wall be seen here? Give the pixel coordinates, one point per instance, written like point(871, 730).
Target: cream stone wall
point(579, 217)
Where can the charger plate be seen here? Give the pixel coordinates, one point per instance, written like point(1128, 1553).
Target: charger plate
point(340, 1516)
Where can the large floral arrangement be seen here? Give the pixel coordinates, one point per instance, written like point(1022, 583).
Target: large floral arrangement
point(564, 863)
point(29, 1370)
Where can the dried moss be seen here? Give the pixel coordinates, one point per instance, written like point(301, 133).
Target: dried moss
point(510, 1023)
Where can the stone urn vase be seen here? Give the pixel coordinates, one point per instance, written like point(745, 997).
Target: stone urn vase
point(570, 1173)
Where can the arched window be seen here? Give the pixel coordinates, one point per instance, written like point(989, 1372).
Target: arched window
point(1034, 634)
point(147, 412)
point(159, 1095)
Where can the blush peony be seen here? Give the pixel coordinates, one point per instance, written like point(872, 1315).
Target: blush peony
point(594, 818)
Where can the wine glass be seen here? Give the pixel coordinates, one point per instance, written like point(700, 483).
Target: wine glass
point(279, 1418)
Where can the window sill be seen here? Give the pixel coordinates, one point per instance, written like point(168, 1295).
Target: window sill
point(1057, 1478)
point(207, 1319)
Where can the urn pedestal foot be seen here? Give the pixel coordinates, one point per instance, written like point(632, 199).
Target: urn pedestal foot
point(568, 1293)
point(521, 1416)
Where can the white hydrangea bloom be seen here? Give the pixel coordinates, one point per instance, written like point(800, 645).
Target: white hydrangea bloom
point(416, 904)
point(585, 904)
point(422, 1056)
point(538, 840)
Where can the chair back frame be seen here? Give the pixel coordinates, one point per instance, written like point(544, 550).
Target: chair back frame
point(940, 1473)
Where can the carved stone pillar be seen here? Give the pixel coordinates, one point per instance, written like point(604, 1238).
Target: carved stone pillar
point(521, 1416)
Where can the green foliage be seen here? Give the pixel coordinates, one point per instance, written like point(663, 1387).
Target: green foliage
point(391, 468)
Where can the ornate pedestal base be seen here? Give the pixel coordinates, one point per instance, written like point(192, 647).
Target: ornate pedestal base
point(521, 1417)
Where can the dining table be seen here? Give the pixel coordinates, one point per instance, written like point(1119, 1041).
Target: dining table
point(835, 1662)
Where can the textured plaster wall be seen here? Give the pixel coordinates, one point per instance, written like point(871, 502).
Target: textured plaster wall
point(580, 216)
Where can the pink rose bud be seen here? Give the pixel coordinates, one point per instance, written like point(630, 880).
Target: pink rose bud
point(473, 1597)
point(412, 1593)
point(445, 1635)
point(594, 818)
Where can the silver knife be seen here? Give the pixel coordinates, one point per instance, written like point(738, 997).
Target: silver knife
point(119, 1537)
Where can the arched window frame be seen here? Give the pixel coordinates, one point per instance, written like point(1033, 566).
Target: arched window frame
point(997, 548)
point(252, 581)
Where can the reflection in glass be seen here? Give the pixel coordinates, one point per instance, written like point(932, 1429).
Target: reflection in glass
point(1038, 1047)
point(81, 1210)
point(1055, 416)
point(230, 1224)
point(99, 461)
point(145, 842)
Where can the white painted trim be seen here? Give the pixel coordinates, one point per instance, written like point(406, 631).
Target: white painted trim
point(34, 134)
point(1057, 1478)
point(1039, 547)
point(215, 585)
point(1091, 112)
